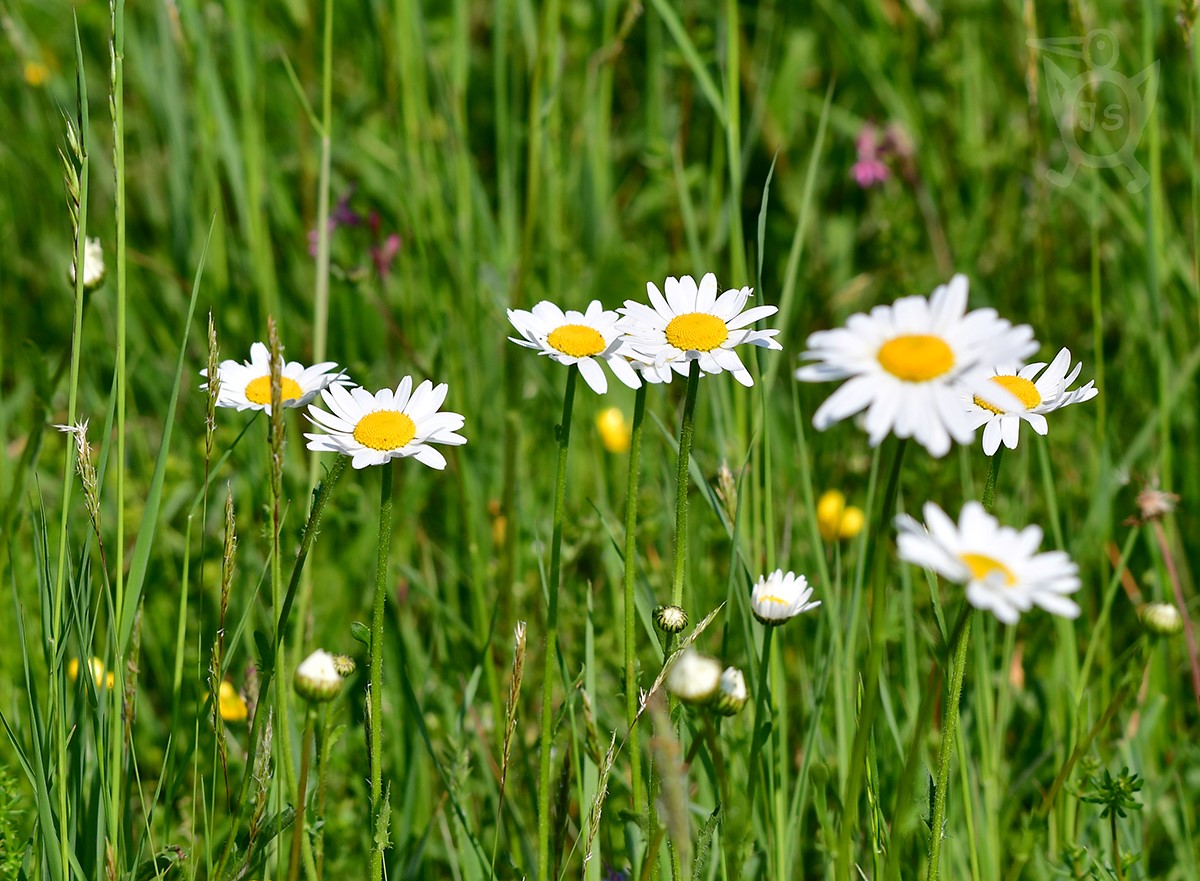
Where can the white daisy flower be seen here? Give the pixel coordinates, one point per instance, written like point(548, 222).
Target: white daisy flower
point(781, 596)
point(247, 386)
point(903, 362)
point(1000, 566)
point(1043, 394)
point(579, 338)
point(694, 678)
point(692, 323)
point(373, 428)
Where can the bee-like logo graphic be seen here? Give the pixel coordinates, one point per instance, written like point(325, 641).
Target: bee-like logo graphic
point(1101, 113)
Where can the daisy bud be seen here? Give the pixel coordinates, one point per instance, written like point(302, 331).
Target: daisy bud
point(732, 694)
point(93, 266)
point(344, 664)
point(317, 677)
point(694, 678)
point(670, 619)
point(1161, 619)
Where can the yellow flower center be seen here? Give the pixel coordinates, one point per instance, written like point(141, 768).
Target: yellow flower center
point(576, 340)
point(258, 391)
point(916, 357)
point(769, 598)
point(1024, 390)
point(982, 566)
point(385, 430)
point(697, 332)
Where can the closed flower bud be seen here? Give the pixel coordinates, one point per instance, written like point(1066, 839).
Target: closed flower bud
point(694, 678)
point(317, 677)
point(670, 619)
point(344, 664)
point(732, 693)
point(1161, 619)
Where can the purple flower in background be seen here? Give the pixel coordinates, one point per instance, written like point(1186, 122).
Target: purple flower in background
point(342, 215)
point(870, 168)
point(384, 254)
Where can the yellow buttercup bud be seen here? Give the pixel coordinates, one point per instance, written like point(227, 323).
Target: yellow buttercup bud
point(101, 678)
point(837, 521)
point(230, 704)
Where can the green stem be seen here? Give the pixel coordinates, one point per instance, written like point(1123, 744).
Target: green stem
point(301, 795)
point(681, 483)
point(946, 752)
point(322, 767)
point(762, 712)
point(375, 721)
point(989, 487)
point(858, 755)
point(1116, 846)
point(631, 686)
point(560, 500)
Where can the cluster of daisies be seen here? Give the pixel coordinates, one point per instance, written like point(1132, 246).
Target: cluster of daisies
point(369, 427)
point(685, 322)
point(928, 369)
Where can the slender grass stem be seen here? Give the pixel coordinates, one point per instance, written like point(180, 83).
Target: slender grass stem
point(375, 723)
point(560, 500)
point(870, 703)
point(681, 484)
point(762, 714)
point(946, 751)
point(630, 576)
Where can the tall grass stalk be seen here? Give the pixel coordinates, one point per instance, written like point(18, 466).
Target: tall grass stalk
point(549, 665)
point(629, 583)
point(686, 430)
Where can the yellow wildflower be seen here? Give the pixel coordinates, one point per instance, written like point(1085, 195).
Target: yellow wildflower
point(36, 73)
point(231, 705)
point(836, 520)
point(102, 679)
point(615, 432)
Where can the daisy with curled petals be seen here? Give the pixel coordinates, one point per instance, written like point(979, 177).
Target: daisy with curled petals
point(374, 428)
point(578, 338)
point(1040, 394)
point(1001, 566)
point(692, 323)
point(247, 386)
point(904, 363)
point(781, 596)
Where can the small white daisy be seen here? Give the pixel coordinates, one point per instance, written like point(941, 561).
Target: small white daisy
point(694, 678)
point(579, 338)
point(904, 363)
point(781, 596)
point(247, 386)
point(373, 428)
point(692, 323)
point(1043, 394)
point(1001, 567)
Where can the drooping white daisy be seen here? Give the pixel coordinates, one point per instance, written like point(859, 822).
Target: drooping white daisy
point(373, 428)
point(781, 596)
point(1044, 394)
point(691, 323)
point(903, 363)
point(694, 678)
point(579, 338)
point(247, 386)
point(1001, 566)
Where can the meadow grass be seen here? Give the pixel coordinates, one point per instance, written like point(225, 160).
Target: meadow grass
point(251, 162)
